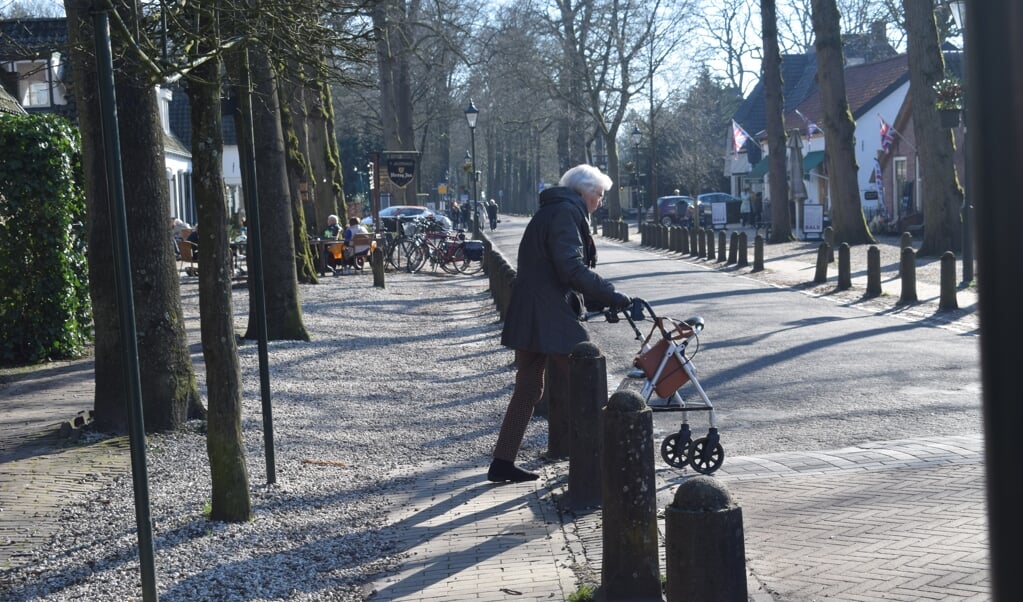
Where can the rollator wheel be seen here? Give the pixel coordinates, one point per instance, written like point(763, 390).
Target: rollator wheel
point(674, 451)
point(705, 457)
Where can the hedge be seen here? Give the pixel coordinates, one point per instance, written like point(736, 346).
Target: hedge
point(44, 292)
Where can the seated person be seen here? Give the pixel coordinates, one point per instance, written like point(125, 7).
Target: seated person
point(352, 250)
point(193, 238)
point(332, 253)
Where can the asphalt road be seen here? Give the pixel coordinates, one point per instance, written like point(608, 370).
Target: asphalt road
point(784, 370)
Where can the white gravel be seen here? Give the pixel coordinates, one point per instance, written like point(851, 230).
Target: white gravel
point(394, 379)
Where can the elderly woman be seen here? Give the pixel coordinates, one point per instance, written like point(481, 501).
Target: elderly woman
point(556, 255)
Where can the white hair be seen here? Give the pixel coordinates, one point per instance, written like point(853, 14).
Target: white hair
point(586, 178)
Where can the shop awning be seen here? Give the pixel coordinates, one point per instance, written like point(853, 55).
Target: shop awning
point(759, 169)
point(812, 160)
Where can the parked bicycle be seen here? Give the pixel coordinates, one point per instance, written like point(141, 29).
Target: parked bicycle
point(451, 251)
point(397, 245)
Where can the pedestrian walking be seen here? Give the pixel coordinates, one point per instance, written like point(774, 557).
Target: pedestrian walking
point(554, 283)
point(492, 214)
point(746, 208)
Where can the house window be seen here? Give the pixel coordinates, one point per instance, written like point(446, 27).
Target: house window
point(38, 95)
point(903, 202)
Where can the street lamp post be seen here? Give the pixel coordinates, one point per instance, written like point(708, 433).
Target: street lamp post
point(637, 137)
point(471, 115)
point(958, 8)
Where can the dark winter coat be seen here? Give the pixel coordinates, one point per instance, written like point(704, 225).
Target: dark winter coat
point(555, 256)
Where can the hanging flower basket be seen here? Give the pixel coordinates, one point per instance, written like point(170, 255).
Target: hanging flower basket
point(949, 118)
point(948, 94)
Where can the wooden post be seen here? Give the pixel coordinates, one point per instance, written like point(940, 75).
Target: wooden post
point(948, 282)
point(743, 260)
point(630, 567)
point(376, 262)
point(704, 553)
point(873, 271)
point(820, 276)
point(844, 270)
point(588, 392)
point(559, 411)
point(907, 269)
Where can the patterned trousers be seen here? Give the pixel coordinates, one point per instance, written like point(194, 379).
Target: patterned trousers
point(529, 375)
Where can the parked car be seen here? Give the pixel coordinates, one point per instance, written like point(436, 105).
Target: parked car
point(389, 215)
point(673, 210)
point(732, 206)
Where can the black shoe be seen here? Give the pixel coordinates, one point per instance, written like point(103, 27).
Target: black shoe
point(502, 471)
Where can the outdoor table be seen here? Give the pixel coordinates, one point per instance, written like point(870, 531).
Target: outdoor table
point(319, 246)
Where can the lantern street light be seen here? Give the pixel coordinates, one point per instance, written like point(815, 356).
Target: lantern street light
point(958, 8)
point(471, 115)
point(637, 137)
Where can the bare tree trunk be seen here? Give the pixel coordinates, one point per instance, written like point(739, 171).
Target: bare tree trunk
point(774, 105)
point(296, 96)
point(323, 166)
point(839, 128)
point(169, 390)
point(224, 446)
point(283, 306)
point(331, 174)
point(395, 99)
point(291, 95)
point(935, 144)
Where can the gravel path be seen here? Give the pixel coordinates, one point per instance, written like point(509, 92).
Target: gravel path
point(384, 386)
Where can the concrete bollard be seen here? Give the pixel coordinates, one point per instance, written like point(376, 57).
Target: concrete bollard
point(630, 568)
point(948, 282)
point(820, 276)
point(705, 558)
point(709, 235)
point(743, 259)
point(588, 393)
point(758, 253)
point(873, 271)
point(844, 269)
point(722, 248)
point(733, 249)
point(907, 270)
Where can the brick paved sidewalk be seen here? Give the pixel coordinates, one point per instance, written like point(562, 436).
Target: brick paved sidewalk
point(42, 468)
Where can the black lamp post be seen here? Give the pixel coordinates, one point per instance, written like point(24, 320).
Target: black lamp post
point(471, 115)
point(958, 8)
point(637, 137)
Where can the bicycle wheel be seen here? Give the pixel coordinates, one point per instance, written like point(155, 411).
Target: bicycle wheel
point(416, 258)
point(400, 251)
point(453, 259)
point(393, 253)
point(471, 266)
